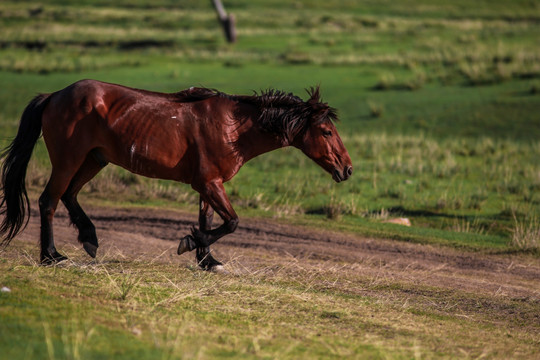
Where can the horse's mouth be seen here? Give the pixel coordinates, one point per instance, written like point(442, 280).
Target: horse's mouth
point(339, 176)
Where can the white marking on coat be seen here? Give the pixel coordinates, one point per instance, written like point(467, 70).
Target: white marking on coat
point(132, 153)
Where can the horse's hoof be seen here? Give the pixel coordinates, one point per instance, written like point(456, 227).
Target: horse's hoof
point(208, 263)
point(52, 259)
point(91, 249)
point(186, 244)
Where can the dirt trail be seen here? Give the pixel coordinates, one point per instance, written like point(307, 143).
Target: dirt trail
point(154, 234)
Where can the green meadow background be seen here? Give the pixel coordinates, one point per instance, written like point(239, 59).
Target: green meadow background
point(438, 101)
point(439, 108)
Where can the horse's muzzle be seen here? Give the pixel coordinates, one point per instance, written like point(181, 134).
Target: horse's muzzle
point(340, 176)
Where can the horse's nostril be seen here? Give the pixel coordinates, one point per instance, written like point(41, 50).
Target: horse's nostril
point(348, 171)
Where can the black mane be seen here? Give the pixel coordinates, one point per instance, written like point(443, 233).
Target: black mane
point(287, 115)
point(283, 114)
point(195, 94)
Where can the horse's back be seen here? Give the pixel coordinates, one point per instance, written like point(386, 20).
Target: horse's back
point(149, 133)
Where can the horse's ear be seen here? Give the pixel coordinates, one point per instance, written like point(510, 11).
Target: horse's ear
point(314, 95)
point(319, 108)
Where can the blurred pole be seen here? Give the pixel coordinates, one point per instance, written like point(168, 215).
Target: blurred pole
point(227, 21)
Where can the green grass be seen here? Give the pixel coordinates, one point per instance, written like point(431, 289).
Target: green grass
point(280, 308)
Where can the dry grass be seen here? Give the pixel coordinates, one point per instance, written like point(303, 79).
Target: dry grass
point(526, 233)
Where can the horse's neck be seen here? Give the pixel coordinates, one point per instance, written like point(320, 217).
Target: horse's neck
point(252, 141)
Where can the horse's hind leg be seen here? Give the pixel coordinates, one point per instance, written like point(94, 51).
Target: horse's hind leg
point(204, 258)
point(48, 201)
point(87, 230)
point(47, 208)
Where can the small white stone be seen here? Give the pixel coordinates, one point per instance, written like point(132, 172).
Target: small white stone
point(5, 289)
point(399, 221)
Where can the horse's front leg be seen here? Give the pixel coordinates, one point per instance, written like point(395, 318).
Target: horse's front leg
point(204, 258)
point(213, 194)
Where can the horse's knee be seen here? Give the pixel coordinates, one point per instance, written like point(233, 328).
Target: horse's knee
point(67, 197)
point(232, 224)
point(43, 201)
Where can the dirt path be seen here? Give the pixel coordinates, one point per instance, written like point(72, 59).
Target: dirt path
point(154, 233)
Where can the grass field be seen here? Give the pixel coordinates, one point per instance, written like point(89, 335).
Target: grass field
point(438, 102)
point(284, 297)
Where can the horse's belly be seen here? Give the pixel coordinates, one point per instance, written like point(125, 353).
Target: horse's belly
point(164, 161)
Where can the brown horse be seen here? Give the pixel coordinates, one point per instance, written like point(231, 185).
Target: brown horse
point(198, 136)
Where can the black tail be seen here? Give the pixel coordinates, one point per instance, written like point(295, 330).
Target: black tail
point(14, 205)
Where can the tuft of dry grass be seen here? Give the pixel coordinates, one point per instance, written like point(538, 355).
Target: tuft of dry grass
point(526, 233)
point(462, 225)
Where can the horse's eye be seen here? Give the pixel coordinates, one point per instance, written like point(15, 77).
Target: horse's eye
point(327, 133)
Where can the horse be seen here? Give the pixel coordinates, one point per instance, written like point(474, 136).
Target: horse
point(198, 136)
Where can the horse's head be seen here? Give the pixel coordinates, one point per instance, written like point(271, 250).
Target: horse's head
point(321, 142)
